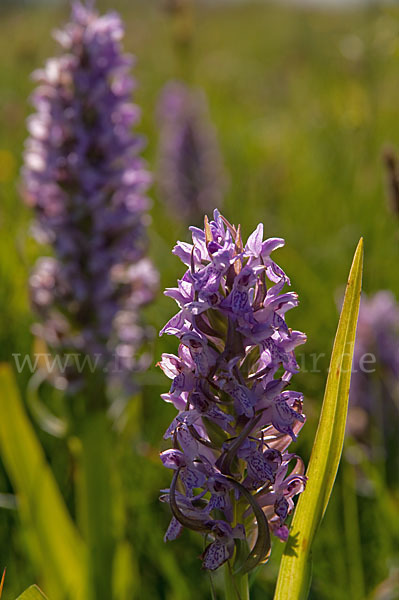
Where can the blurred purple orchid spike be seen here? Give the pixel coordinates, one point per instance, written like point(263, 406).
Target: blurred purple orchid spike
point(87, 184)
point(191, 177)
point(234, 477)
point(374, 394)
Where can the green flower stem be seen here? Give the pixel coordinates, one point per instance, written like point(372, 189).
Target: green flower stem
point(95, 497)
point(182, 35)
point(236, 586)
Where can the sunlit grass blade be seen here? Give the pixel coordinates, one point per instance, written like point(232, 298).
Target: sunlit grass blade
point(56, 545)
point(295, 568)
point(2, 582)
point(32, 593)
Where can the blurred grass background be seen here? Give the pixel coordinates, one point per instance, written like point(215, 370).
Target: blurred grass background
point(304, 102)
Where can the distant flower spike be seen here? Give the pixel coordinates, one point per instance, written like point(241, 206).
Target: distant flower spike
point(374, 393)
point(83, 176)
point(235, 417)
point(191, 177)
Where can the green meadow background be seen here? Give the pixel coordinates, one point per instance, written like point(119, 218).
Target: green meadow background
point(304, 102)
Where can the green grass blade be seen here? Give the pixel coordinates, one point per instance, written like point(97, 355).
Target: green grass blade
point(2, 582)
point(294, 575)
point(58, 549)
point(32, 593)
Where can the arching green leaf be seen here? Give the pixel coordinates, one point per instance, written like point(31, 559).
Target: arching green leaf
point(295, 568)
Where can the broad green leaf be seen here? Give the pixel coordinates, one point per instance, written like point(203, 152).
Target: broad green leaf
point(58, 549)
point(32, 593)
point(295, 568)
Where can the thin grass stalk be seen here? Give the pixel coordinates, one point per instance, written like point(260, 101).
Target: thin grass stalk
point(352, 533)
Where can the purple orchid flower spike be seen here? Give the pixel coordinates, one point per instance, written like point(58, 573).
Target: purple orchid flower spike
point(191, 177)
point(233, 476)
point(374, 394)
point(86, 182)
